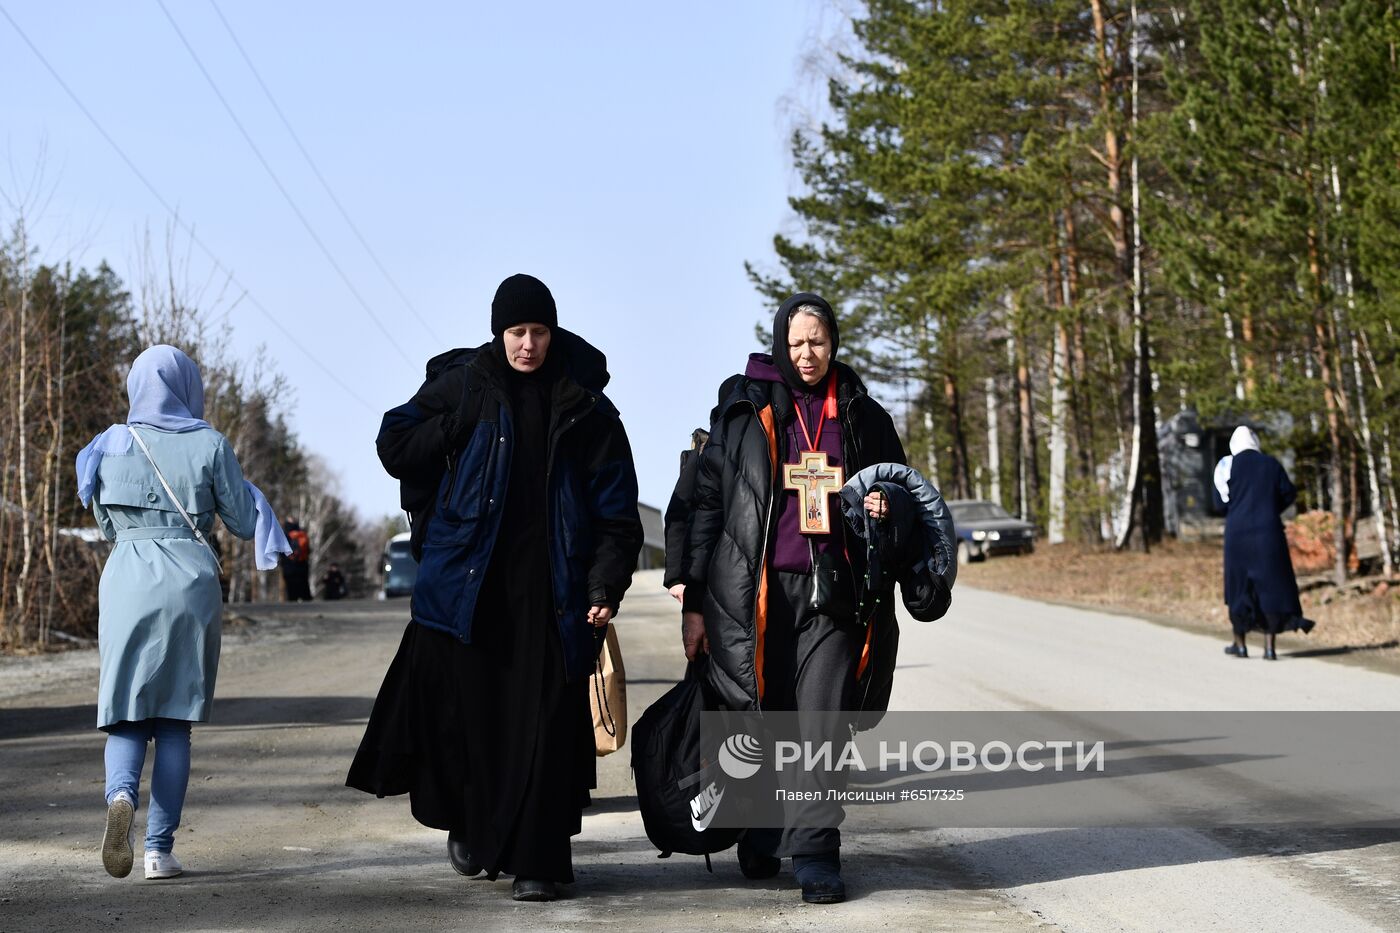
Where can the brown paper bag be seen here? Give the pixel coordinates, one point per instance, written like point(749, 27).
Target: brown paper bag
point(607, 691)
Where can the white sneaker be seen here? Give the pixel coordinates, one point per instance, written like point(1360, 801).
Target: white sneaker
point(116, 840)
point(162, 865)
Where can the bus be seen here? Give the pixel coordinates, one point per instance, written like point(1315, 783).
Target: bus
point(399, 568)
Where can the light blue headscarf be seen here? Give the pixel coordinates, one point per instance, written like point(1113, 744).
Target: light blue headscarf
point(269, 540)
point(165, 391)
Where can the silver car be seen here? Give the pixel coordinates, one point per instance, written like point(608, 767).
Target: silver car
point(986, 529)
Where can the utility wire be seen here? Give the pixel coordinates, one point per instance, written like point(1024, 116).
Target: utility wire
point(188, 230)
point(315, 169)
point(283, 189)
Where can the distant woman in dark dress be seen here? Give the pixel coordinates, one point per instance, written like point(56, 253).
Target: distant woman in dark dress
point(520, 481)
point(1260, 588)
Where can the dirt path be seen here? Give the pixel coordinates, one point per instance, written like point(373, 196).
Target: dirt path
point(273, 840)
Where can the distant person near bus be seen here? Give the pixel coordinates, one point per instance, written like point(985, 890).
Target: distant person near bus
point(296, 566)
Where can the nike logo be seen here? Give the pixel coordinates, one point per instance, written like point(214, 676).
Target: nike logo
point(704, 806)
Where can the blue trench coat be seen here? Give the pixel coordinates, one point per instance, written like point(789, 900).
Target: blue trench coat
point(159, 602)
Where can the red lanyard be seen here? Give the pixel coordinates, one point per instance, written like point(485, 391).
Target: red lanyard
point(828, 411)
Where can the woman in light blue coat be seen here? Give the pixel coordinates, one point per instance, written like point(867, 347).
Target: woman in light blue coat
point(155, 485)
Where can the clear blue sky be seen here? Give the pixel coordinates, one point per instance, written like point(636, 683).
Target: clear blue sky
point(631, 155)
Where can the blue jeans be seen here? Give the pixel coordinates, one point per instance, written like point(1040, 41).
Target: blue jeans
point(170, 775)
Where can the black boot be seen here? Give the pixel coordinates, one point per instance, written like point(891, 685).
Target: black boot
point(461, 859)
point(755, 865)
point(533, 889)
point(820, 877)
point(1237, 651)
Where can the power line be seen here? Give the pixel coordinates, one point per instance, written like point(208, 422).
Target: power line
point(283, 189)
point(319, 177)
point(188, 230)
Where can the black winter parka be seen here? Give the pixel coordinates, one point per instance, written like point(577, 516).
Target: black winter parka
point(736, 504)
point(450, 447)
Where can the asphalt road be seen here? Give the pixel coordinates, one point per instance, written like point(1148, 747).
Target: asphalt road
point(272, 840)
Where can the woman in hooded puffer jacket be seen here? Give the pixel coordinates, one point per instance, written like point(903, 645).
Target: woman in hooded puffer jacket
point(770, 591)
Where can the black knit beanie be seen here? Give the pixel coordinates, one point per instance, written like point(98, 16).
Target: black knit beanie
point(522, 299)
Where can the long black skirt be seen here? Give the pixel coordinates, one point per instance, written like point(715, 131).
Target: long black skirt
point(1247, 615)
point(487, 739)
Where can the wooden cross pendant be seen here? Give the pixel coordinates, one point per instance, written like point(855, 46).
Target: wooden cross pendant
point(814, 480)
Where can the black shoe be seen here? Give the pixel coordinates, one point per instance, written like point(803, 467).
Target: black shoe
point(461, 859)
point(820, 877)
point(1236, 651)
point(1270, 655)
point(755, 865)
point(531, 889)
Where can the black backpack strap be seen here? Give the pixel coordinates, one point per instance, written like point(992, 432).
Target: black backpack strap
point(458, 425)
point(469, 410)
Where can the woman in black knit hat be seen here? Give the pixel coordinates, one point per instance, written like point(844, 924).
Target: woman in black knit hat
point(519, 479)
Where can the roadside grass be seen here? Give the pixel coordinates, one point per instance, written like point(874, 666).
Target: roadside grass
point(1181, 583)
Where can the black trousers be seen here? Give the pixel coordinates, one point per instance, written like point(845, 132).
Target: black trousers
point(809, 664)
point(296, 574)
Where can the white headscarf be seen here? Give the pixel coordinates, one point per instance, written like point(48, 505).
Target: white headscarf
point(1222, 477)
point(1243, 439)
